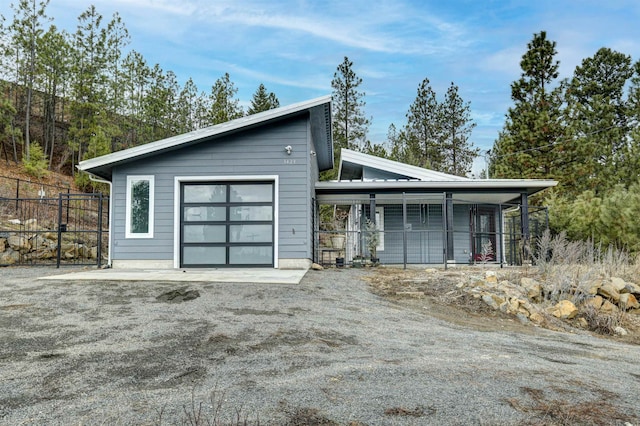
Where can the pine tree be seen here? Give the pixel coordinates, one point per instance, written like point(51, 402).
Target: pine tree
point(54, 67)
point(350, 126)
point(424, 130)
point(633, 116)
point(457, 126)
point(224, 105)
point(136, 81)
point(597, 116)
point(26, 31)
point(186, 107)
point(262, 101)
point(117, 40)
point(91, 130)
point(526, 146)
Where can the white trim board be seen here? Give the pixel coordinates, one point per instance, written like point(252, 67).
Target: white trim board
point(127, 227)
point(223, 178)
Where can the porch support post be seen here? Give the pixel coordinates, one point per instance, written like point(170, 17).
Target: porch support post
point(500, 235)
point(524, 227)
point(404, 230)
point(448, 207)
point(372, 208)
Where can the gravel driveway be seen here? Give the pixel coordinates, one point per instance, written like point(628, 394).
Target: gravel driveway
point(326, 351)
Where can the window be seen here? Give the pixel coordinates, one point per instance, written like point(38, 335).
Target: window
point(140, 202)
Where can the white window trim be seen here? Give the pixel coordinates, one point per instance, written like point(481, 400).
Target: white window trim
point(130, 180)
point(238, 178)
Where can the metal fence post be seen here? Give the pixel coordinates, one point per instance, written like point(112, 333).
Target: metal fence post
point(59, 250)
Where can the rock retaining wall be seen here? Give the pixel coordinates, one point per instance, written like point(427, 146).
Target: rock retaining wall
point(27, 244)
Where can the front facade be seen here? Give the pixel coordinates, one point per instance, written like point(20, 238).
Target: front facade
point(238, 194)
point(245, 194)
point(422, 216)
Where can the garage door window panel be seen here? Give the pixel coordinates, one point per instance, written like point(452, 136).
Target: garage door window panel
point(227, 224)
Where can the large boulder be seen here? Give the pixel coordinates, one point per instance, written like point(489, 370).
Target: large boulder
point(595, 302)
point(628, 301)
point(533, 288)
point(631, 288)
point(491, 277)
point(593, 286)
point(19, 243)
point(491, 301)
point(608, 307)
point(618, 283)
point(564, 309)
point(610, 292)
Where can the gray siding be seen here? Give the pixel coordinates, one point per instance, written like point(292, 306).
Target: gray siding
point(253, 152)
point(371, 173)
point(425, 240)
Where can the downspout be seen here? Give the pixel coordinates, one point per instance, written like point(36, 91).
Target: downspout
point(94, 178)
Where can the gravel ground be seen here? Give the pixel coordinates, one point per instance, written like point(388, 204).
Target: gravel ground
point(326, 351)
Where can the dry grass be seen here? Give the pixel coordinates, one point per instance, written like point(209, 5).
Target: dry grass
point(558, 412)
point(601, 322)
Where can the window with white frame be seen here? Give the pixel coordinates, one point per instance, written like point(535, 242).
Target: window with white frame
point(139, 207)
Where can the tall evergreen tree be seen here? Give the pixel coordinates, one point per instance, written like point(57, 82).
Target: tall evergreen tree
point(424, 130)
point(7, 105)
point(224, 105)
point(27, 30)
point(263, 101)
point(633, 117)
point(186, 107)
point(117, 40)
point(90, 131)
point(54, 65)
point(457, 126)
point(597, 116)
point(350, 126)
point(526, 146)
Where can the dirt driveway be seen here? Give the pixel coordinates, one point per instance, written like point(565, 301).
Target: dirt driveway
point(327, 351)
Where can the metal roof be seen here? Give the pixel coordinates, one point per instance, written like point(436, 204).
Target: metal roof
point(352, 163)
point(417, 180)
point(319, 110)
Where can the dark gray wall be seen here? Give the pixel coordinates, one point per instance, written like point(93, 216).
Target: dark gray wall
point(253, 152)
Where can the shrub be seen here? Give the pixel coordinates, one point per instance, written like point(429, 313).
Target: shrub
point(36, 164)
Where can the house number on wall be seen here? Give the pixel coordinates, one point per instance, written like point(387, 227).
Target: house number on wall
point(289, 161)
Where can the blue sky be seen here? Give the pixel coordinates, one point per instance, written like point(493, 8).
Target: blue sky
point(294, 46)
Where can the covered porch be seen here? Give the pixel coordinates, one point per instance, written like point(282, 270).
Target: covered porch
point(402, 222)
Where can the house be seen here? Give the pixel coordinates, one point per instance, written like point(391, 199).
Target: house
point(422, 216)
point(237, 194)
point(246, 193)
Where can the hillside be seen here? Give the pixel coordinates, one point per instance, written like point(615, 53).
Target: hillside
point(28, 186)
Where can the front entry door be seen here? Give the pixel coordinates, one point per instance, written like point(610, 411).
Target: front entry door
point(226, 224)
point(483, 222)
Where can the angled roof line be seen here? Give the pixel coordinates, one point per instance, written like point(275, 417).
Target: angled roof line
point(395, 167)
point(105, 161)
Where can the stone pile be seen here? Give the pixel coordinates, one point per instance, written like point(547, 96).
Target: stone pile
point(27, 245)
point(527, 299)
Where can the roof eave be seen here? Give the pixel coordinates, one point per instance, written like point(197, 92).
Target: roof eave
point(101, 166)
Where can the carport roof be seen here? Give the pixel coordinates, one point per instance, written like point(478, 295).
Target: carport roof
point(414, 180)
point(319, 110)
